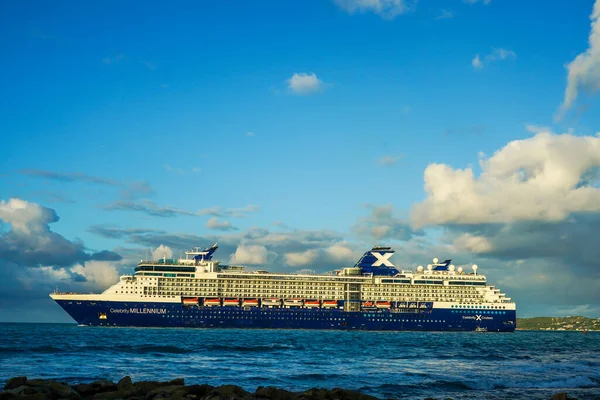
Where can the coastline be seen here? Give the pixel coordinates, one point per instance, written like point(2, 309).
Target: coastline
point(41, 389)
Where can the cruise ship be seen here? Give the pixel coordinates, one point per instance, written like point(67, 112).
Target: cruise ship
point(198, 291)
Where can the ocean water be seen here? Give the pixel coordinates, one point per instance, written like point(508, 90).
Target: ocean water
point(401, 365)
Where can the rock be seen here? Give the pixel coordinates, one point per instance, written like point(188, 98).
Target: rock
point(559, 396)
point(15, 382)
point(62, 391)
point(199, 390)
point(125, 383)
point(95, 387)
point(231, 392)
point(176, 381)
point(343, 394)
point(273, 393)
point(315, 394)
point(168, 392)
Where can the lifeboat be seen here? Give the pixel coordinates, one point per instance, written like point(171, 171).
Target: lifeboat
point(271, 302)
point(231, 302)
point(382, 304)
point(250, 303)
point(292, 302)
point(330, 303)
point(412, 305)
point(190, 301)
point(212, 302)
point(368, 304)
point(312, 303)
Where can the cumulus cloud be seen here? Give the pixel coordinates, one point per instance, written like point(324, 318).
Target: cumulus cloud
point(542, 178)
point(30, 242)
point(304, 258)
point(98, 274)
point(497, 54)
point(382, 224)
point(473, 243)
point(216, 224)
point(161, 252)
point(303, 83)
point(387, 9)
point(342, 253)
point(584, 71)
point(249, 254)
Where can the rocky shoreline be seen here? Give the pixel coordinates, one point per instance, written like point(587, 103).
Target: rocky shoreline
point(21, 388)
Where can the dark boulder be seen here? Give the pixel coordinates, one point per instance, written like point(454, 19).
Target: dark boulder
point(231, 392)
point(273, 393)
point(15, 382)
point(343, 394)
point(199, 390)
point(124, 384)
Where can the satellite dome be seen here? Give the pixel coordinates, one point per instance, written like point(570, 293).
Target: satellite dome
point(460, 270)
point(451, 267)
point(435, 260)
point(420, 268)
point(429, 266)
point(475, 267)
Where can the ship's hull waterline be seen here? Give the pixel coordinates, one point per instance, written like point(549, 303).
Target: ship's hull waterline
point(156, 314)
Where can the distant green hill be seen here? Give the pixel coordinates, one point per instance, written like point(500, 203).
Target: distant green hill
point(559, 323)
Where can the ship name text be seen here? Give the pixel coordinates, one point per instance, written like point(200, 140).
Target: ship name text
point(137, 310)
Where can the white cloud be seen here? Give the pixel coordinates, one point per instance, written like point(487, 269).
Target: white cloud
point(472, 243)
point(98, 273)
point(113, 60)
point(584, 71)
point(162, 251)
point(497, 54)
point(476, 62)
point(341, 252)
point(216, 224)
point(250, 134)
point(174, 169)
point(25, 217)
point(249, 254)
point(537, 128)
point(543, 178)
point(301, 258)
point(388, 161)
point(303, 83)
point(387, 9)
point(445, 14)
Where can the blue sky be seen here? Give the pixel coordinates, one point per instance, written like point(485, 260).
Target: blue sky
point(110, 107)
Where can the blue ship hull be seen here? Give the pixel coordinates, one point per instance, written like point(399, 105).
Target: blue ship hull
point(156, 314)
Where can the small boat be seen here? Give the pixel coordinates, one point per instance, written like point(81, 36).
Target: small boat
point(102, 315)
point(272, 302)
point(231, 302)
point(250, 303)
point(292, 302)
point(312, 303)
point(480, 329)
point(190, 301)
point(212, 302)
point(412, 305)
point(383, 304)
point(330, 303)
point(368, 304)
